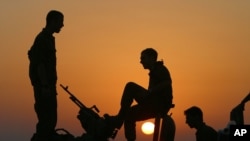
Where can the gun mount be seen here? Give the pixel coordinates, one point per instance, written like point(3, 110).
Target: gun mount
point(97, 128)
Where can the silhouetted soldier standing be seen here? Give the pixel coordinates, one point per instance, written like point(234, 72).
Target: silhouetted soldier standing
point(151, 102)
point(43, 76)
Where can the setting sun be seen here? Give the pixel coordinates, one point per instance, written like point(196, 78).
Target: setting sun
point(147, 128)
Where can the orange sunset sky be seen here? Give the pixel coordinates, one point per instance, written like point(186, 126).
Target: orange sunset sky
point(205, 45)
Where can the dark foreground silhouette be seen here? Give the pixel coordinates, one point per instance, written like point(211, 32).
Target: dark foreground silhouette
point(43, 77)
point(236, 118)
point(97, 128)
point(194, 118)
point(151, 102)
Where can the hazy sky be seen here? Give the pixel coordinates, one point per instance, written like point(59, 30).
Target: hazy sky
point(205, 45)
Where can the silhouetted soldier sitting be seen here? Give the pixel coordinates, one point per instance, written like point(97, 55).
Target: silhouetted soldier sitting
point(150, 102)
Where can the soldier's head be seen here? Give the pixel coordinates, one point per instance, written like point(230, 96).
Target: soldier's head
point(148, 58)
point(194, 116)
point(54, 21)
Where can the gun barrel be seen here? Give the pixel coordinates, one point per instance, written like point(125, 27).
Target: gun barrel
point(247, 98)
point(73, 98)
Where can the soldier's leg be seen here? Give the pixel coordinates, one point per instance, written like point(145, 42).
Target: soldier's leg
point(167, 129)
point(136, 113)
point(41, 112)
point(52, 111)
point(132, 91)
point(46, 110)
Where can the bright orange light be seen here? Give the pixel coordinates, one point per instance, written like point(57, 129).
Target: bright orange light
point(147, 128)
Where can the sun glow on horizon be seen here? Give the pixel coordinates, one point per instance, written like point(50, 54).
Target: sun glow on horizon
point(148, 128)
